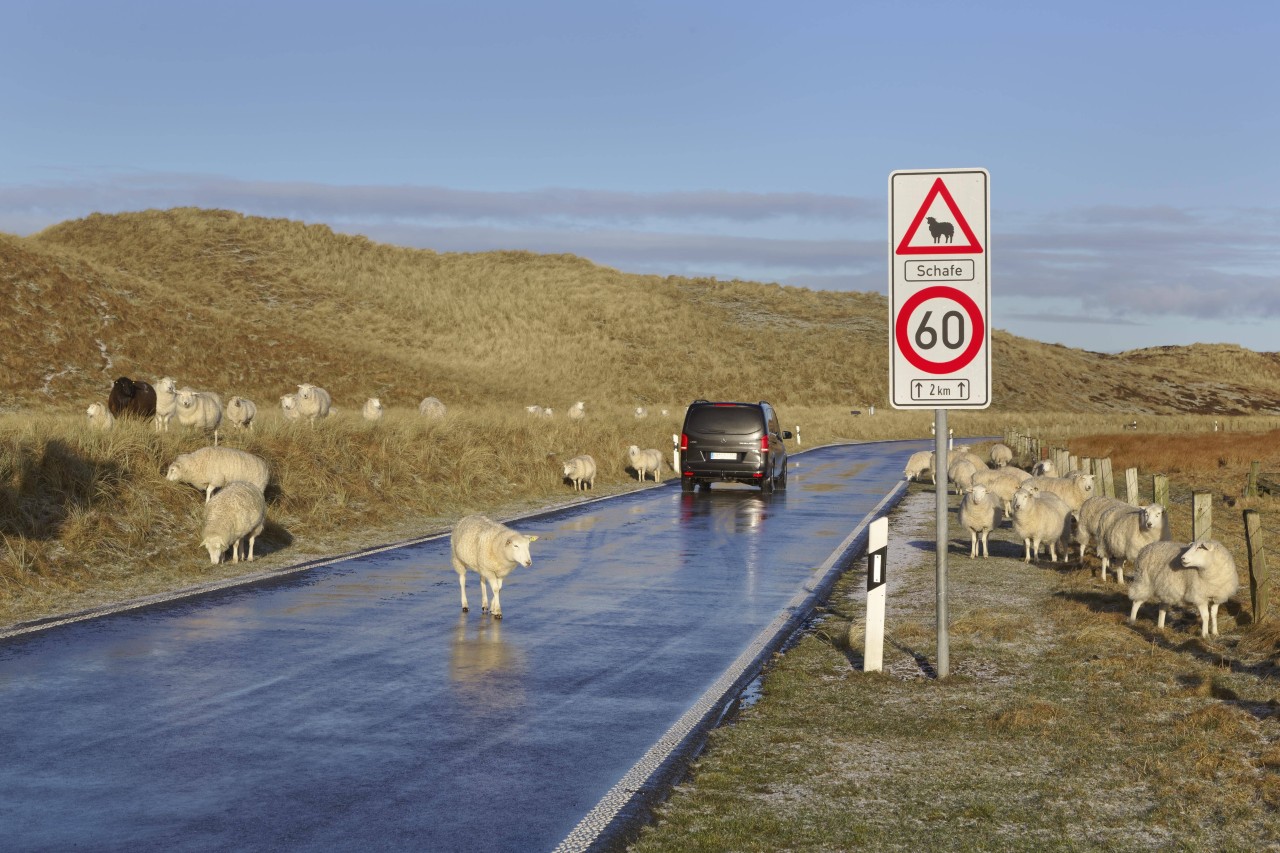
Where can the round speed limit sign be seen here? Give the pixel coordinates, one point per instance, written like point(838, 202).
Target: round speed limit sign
point(940, 330)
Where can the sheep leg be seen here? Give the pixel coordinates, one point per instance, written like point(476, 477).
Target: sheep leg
point(1053, 552)
point(235, 551)
point(484, 596)
point(462, 582)
point(973, 544)
point(1204, 620)
point(1160, 618)
point(252, 538)
point(1133, 612)
point(1213, 618)
point(1106, 563)
point(208, 492)
point(496, 585)
point(986, 548)
point(1026, 550)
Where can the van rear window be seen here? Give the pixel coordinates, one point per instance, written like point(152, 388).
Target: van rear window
point(725, 420)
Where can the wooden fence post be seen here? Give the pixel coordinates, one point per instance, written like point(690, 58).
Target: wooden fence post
point(1086, 464)
point(1108, 484)
point(1073, 464)
point(1131, 485)
point(1259, 578)
point(1202, 515)
point(1160, 490)
point(1251, 484)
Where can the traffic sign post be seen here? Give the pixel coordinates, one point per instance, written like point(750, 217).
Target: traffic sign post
point(939, 316)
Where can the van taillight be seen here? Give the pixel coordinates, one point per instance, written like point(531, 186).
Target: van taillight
point(764, 443)
point(684, 441)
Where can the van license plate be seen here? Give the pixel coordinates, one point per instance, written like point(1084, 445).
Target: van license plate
point(731, 457)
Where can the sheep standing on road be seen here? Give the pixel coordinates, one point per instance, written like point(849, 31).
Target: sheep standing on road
point(581, 471)
point(491, 550)
point(212, 468)
point(236, 513)
point(645, 462)
point(1040, 518)
point(200, 409)
point(99, 417)
point(372, 410)
point(166, 402)
point(430, 407)
point(313, 402)
point(1200, 574)
point(920, 462)
point(980, 515)
point(1125, 532)
point(241, 412)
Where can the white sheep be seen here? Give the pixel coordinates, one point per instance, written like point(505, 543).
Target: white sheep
point(166, 402)
point(645, 462)
point(372, 410)
point(236, 513)
point(548, 412)
point(289, 407)
point(1091, 514)
point(534, 411)
point(431, 407)
point(961, 469)
point(577, 411)
point(1000, 455)
point(979, 514)
point(100, 417)
point(581, 471)
point(920, 462)
point(1201, 574)
point(211, 468)
point(1040, 518)
point(1001, 482)
point(1126, 531)
point(313, 402)
point(241, 412)
point(491, 550)
point(200, 409)
point(641, 413)
point(1075, 490)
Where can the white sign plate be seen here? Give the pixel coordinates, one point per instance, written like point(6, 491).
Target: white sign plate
point(940, 289)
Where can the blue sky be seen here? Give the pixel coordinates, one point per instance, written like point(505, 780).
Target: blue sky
point(1131, 146)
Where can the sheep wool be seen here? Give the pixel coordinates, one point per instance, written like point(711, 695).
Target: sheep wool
point(1000, 455)
point(289, 407)
point(979, 514)
point(372, 410)
point(100, 418)
point(645, 462)
point(1125, 532)
point(241, 412)
point(1075, 490)
point(1199, 574)
point(491, 550)
point(313, 402)
point(166, 402)
point(920, 462)
point(1040, 518)
point(577, 411)
point(1091, 514)
point(581, 471)
point(211, 468)
point(200, 409)
point(431, 407)
point(236, 513)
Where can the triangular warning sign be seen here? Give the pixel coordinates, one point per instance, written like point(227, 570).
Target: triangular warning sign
point(942, 233)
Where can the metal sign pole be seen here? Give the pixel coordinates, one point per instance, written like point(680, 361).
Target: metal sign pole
point(940, 469)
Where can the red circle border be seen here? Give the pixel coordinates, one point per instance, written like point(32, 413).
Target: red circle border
point(903, 336)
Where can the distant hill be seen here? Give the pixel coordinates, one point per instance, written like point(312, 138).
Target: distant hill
point(254, 306)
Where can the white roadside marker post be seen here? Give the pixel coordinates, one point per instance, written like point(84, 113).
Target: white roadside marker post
point(877, 575)
point(675, 452)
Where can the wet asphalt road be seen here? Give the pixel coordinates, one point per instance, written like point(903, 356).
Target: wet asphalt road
point(355, 707)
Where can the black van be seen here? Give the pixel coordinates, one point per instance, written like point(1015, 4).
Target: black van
point(732, 442)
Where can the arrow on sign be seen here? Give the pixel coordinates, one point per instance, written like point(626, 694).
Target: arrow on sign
point(919, 388)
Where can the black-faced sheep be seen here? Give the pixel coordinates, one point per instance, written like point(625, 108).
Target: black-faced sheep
point(132, 399)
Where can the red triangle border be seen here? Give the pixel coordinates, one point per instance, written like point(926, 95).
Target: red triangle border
point(939, 189)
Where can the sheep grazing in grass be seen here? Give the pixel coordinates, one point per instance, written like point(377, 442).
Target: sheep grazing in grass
point(372, 410)
point(200, 409)
point(289, 407)
point(534, 411)
point(430, 407)
point(166, 402)
point(313, 402)
point(1040, 518)
point(581, 471)
point(235, 514)
point(241, 412)
point(645, 462)
point(1199, 574)
point(99, 417)
point(920, 462)
point(1075, 490)
point(491, 550)
point(1000, 455)
point(1125, 532)
point(979, 513)
point(577, 411)
point(211, 468)
point(131, 398)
